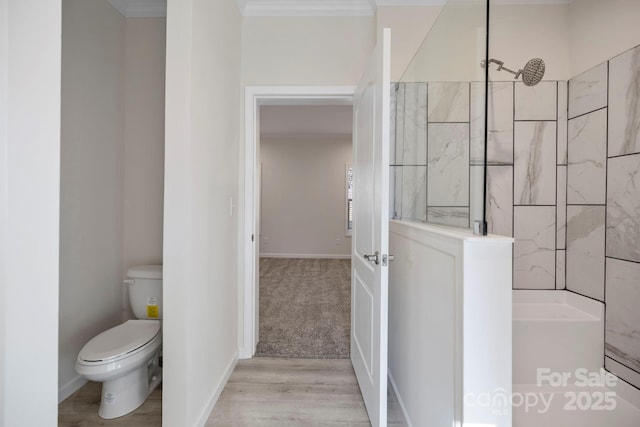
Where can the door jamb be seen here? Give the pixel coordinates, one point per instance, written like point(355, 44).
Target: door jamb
point(255, 96)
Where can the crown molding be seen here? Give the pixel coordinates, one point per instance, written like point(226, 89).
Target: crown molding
point(141, 8)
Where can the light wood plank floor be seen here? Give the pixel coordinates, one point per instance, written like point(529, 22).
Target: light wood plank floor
point(261, 392)
point(290, 392)
point(265, 392)
point(81, 410)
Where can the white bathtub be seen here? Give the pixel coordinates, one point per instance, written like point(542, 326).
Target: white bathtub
point(562, 334)
point(557, 330)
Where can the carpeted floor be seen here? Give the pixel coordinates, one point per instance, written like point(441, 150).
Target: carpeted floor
point(305, 308)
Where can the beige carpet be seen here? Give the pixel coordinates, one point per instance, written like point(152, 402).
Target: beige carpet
point(305, 308)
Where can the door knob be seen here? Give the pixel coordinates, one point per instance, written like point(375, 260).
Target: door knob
point(374, 257)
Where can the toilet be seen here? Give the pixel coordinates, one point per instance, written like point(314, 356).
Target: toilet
point(126, 358)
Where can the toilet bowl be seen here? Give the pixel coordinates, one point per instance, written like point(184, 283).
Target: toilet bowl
point(126, 360)
point(127, 357)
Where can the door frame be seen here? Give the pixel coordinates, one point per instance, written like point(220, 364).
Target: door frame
point(249, 251)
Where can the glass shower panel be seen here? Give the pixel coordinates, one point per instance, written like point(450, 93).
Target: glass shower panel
point(438, 115)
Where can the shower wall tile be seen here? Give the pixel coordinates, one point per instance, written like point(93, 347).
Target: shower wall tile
point(476, 193)
point(448, 173)
point(415, 124)
point(621, 371)
point(454, 217)
point(476, 123)
point(399, 124)
point(534, 249)
point(393, 87)
point(535, 163)
point(500, 136)
point(585, 250)
point(395, 191)
point(561, 264)
point(414, 193)
point(562, 122)
point(588, 91)
point(537, 102)
point(622, 335)
point(587, 158)
point(500, 200)
point(561, 203)
point(448, 102)
point(623, 208)
point(624, 103)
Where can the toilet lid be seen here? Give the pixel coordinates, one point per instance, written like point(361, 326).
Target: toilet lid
point(120, 340)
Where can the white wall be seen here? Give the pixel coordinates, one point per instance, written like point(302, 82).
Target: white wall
point(303, 197)
point(200, 239)
point(455, 43)
point(92, 172)
point(409, 26)
point(144, 56)
point(600, 30)
point(29, 210)
point(305, 50)
point(521, 32)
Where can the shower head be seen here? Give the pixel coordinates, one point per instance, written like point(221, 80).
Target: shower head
point(532, 72)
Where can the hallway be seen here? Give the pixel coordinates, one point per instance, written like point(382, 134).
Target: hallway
point(290, 392)
point(294, 392)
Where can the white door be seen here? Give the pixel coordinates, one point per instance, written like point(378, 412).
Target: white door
point(369, 275)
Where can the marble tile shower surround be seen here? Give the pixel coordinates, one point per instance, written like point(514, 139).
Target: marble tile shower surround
point(622, 314)
point(430, 152)
point(603, 197)
point(587, 154)
point(585, 250)
point(535, 163)
point(534, 254)
point(624, 104)
point(563, 178)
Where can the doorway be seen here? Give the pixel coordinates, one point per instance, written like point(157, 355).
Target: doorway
point(256, 98)
point(305, 231)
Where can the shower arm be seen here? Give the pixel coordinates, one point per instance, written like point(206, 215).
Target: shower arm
point(502, 67)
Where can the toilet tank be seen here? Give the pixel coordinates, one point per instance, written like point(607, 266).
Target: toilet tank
point(145, 291)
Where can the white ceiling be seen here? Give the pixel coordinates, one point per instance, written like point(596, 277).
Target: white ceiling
point(306, 121)
point(158, 8)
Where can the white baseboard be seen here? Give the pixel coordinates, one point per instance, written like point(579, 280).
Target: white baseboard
point(394, 390)
point(206, 412)
point(71, 387)
point(317, 256)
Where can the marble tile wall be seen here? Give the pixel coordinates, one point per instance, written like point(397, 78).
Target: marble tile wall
point(563, 178)
point(430, 154)
point(535, 164)
point(622, 284)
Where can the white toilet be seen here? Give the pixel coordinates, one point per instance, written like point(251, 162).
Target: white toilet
point(126, 358)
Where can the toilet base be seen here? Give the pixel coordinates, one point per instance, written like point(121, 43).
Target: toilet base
point(125, 394)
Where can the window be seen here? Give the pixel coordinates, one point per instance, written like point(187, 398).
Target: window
point(349, 194)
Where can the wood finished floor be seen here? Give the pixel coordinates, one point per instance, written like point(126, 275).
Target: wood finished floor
point(261, 392)
point(290, 392)
point(264, 392)
point(81, 410)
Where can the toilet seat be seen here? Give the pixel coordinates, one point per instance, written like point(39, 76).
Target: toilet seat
point(120, 342)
